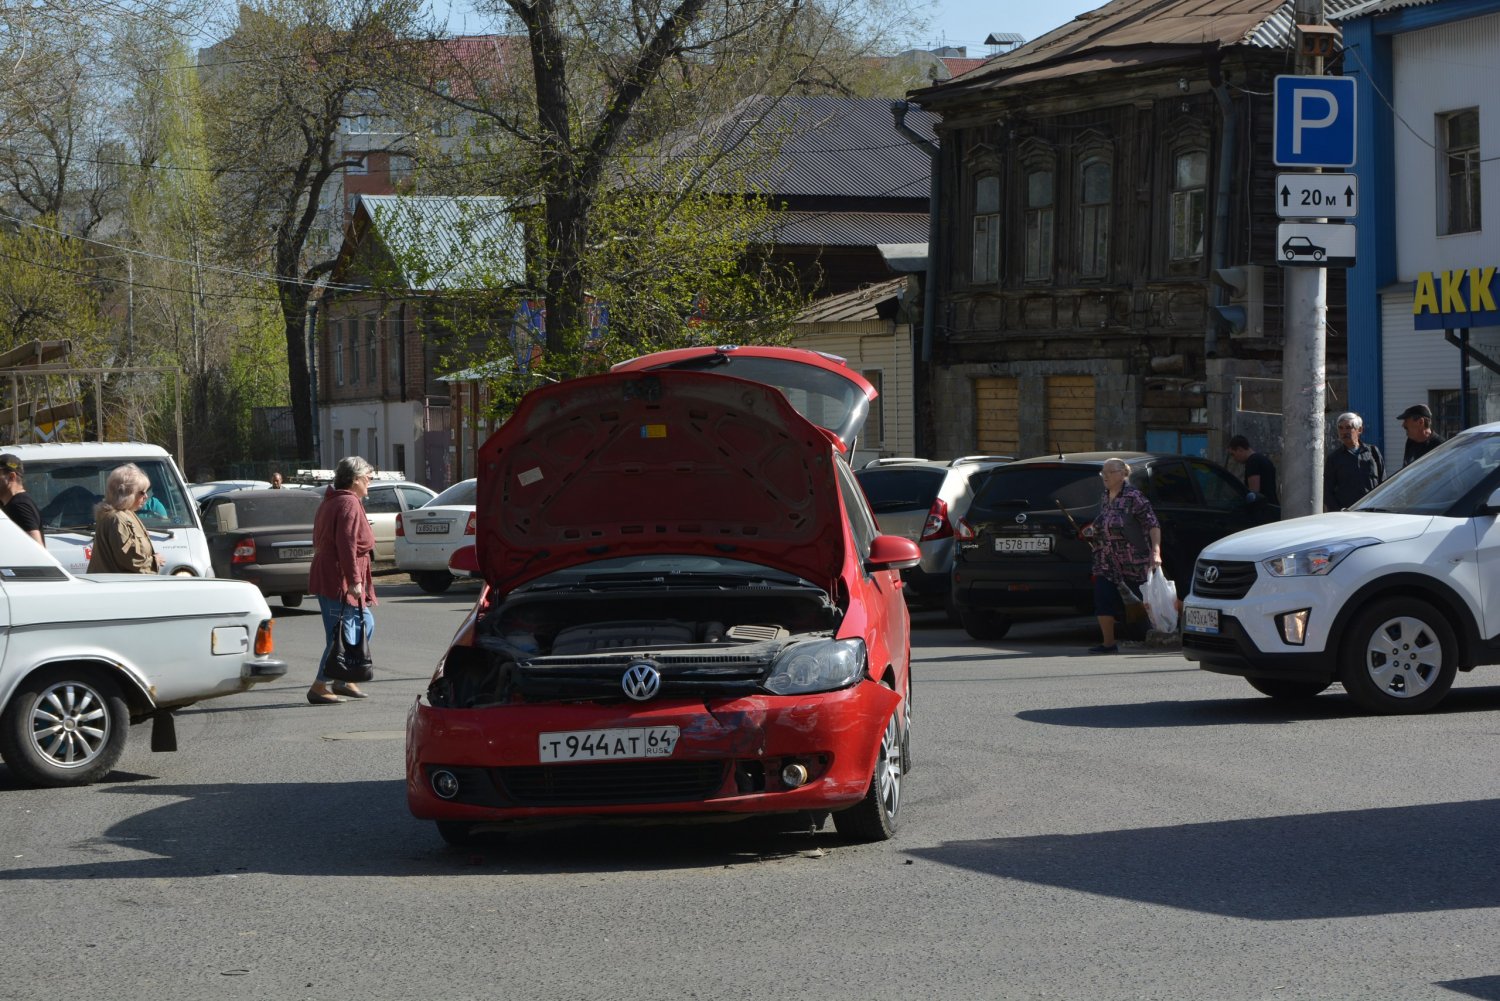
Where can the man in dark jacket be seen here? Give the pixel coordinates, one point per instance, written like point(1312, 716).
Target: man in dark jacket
point(1352, 469)
point(1420, 438)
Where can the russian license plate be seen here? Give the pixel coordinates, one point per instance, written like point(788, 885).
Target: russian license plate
point(296, 552)
point(1200, 620)
point(608, 745)
point(431, 528)
point(1025, 544)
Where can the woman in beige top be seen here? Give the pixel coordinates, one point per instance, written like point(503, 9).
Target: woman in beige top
point(121, 544)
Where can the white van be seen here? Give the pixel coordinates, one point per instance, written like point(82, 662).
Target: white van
point(67, 479)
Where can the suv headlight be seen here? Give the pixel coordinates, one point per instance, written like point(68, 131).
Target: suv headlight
point(817, 666)
point(1314, 561)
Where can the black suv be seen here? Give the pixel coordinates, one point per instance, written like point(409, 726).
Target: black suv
point(1018, 545)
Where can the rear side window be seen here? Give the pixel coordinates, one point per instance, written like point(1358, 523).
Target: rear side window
point(1221, 491)
point(1170, 484)
point(897, 488)
point(415, 498)
point(1018, 488)
point(382, 500)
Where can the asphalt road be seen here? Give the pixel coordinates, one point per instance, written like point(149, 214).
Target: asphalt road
point(1077, 827)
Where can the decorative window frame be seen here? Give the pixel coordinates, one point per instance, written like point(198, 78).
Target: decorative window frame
point(1190, 139)
point(1094, 150)
point(1038, 230)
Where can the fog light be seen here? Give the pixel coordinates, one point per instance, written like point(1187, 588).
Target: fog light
point(1293, 626)
point(445, 784)
point(794, 775)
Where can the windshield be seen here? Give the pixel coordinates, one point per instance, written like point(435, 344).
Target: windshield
point(1035, 488)
point(1440, 480)
point(66, 492)
point(461, 493)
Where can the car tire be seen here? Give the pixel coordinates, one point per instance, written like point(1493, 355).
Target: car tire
point(62, 713)
point(874, 817)
point(1419, 670)
point(291, 600)
point(985, 625)
point(433, 581)
point(1284, 690)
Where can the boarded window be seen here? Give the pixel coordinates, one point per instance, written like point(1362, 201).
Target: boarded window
point(1070, 413)
point(997, 415)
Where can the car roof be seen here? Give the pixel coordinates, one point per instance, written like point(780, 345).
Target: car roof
point(102, 449)
point(1095, 458)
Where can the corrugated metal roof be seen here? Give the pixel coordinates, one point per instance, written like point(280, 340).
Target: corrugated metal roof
point(1131, 32)
point(1366, 8)
point(848, 229)
point(449, 243)
point(861, 305)
point(825, 147)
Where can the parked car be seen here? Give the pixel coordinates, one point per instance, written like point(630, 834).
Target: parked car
point(264, 537)
point(687, 608)
point(427, 537)
point(66, 480)
point(1019, 547)
point(388, 499)
point(1392, 597)
point(201, 492)
point(85, 657)
point(921, 500)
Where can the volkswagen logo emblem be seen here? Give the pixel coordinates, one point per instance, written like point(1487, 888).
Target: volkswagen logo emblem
point(642, 681)
point(1210, 574)
point(1021, 518)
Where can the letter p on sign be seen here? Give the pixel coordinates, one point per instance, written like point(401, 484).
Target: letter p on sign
point(1314, 121)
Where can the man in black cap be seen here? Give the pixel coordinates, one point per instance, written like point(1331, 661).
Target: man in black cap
point(1420, 438)
point(16, 502)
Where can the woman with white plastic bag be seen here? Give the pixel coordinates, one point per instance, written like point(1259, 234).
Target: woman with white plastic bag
point(1127, 547)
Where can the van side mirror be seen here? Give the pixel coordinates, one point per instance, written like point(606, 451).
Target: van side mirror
point(892, 552)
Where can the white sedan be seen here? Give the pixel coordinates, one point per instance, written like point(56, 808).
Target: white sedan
point(428, 537)
point(85, 657)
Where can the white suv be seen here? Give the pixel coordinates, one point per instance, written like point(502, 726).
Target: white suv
point(1391, 597)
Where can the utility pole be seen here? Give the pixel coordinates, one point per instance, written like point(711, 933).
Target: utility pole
point(1304, 353)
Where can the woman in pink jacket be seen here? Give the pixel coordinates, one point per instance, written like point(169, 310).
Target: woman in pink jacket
point(340, 573)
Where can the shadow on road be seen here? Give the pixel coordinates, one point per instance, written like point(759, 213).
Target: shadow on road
point(363, 829)
point(1484, 988)
point(1400, 860)
point(1333, 704)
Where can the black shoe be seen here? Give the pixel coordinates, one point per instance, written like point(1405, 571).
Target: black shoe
point(1101, 648)
point(324, 699)
point(349, 693)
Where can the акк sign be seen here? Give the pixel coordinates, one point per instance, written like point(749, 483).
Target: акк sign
point(1449, 300)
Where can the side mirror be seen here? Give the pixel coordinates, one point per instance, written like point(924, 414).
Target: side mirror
point(892, 552)
point(465, 560)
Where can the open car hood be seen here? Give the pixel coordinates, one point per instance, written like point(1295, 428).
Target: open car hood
point(821, 387)
point(657, 462)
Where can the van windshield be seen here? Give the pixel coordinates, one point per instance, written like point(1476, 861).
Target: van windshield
point(1440, 480)
point(67, 490)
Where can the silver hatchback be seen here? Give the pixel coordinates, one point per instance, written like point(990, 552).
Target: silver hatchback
point(921, 500)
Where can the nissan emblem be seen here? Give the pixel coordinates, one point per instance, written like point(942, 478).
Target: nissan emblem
point(1021, 518)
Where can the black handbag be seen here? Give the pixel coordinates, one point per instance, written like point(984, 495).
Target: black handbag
point(350, 661)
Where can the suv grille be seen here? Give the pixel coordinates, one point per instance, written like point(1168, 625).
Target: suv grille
point(1230, 579)
point(614, 782)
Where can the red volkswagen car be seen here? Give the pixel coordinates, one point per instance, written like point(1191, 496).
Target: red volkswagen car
point(687, 609)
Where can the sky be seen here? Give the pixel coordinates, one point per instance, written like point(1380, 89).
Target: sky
point(954, 22)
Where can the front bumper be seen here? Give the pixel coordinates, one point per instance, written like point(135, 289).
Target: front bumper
point(1233, 651)
point(728, 758)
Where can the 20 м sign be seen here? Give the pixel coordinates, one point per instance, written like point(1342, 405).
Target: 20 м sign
point(1314, 121)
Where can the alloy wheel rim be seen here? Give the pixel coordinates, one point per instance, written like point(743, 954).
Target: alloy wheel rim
point(69, 725)
point(890, 768)
point(1404, 657)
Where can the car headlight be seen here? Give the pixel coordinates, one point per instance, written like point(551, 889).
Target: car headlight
point(1314, 561)
point(817, 666)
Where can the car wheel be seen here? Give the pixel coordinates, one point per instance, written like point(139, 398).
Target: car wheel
point(874, 817)
point(1289, 253)
point(1317, 255)
point(64, 728)
point(291, 600)
point(985, 625)
point(433, 581)
point(456, 832)
point(1400, 656)
point(1287, 691)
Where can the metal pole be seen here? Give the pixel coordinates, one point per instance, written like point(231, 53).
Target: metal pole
point(1304, 370)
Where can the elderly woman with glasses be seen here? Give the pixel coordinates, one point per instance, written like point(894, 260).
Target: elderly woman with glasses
point(1127, 545)
point(121, 544)
point(340, 573)
point(1353, 468)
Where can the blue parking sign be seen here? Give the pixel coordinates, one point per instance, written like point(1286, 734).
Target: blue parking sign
point(1314, 121)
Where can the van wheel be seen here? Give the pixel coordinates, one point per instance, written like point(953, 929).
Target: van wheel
point(1287, 691)
point(985, 625)
point(64, 727)
point(1400, 656)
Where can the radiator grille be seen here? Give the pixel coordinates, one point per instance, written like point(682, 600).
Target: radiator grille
point(612, 782)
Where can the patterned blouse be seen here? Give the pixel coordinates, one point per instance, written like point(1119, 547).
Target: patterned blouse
point(1115, 558)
